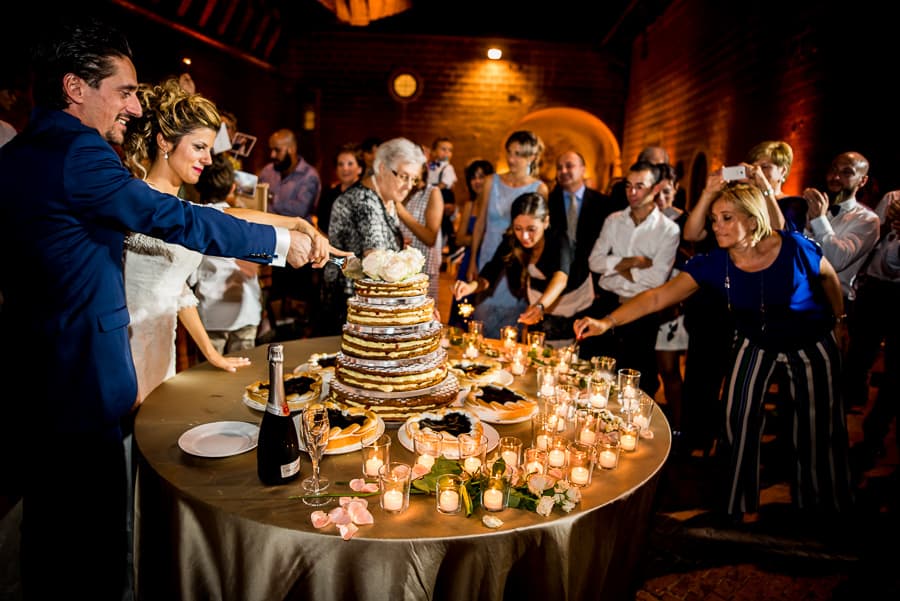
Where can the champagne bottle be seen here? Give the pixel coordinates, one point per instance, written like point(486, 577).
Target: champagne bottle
point(278, 450)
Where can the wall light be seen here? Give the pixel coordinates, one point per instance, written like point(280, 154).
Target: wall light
point(186, 61)
point(494, 54)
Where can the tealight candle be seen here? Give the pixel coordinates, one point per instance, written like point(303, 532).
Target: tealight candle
point(556, 458)
point(472, 464)
point(542, 441)
point(640, 421)
point(534, 467)
point(511, 458)
point(587, 436)
point(493, 499)
point(425, 460)
point(579, 475)
point(607, 459)
point(471, 351)
point(552, 421)
point(628, 442)
point(372, 466)
point(598, 401)
point(517, 368)
point(547, 389)
point(392, 500)
point(449, 501)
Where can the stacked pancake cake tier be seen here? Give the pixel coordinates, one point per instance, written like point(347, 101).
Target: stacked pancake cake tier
point(391, 360)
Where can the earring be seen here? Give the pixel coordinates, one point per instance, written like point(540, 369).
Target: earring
point(166, 155)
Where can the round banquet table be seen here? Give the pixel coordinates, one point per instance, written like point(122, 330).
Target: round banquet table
point(206, 528)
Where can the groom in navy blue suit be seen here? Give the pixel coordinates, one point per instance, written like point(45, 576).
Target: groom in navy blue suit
point(66, 203)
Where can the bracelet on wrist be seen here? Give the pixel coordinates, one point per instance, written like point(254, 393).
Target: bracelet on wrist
point(613, 321)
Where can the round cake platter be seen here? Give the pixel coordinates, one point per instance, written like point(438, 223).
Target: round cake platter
point(448, 388)
point(449, 380)
point(419, 329)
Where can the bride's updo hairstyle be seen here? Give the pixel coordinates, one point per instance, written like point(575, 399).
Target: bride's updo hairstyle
point(170, 111)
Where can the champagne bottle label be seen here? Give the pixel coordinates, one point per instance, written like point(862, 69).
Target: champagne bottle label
point(289, 469)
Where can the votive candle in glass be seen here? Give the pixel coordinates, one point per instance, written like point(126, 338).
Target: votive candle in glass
point(580, 463)
point(447, 493)
point(556, 451)
point(510, 449)
point(628, 437)
point(472, 450)
point(375, 454)
point(608, 453)
point(535, 461)
point(394, 481)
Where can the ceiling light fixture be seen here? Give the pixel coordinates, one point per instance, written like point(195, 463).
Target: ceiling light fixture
point(494, 54)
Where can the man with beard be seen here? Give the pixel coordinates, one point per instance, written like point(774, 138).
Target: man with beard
point(294, 188)
point(845, 228)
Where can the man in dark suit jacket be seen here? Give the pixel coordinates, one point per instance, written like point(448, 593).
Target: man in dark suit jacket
point(592, 209)
point(66, 203)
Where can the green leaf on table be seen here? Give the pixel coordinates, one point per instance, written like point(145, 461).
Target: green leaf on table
point(442, 465)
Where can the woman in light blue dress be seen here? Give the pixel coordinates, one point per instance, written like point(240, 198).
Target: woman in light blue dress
point(523, 155)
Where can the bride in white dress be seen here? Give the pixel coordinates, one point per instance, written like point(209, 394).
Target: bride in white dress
point(175, 138)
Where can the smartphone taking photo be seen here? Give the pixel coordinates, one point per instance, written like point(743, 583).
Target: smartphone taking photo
point(730, 174)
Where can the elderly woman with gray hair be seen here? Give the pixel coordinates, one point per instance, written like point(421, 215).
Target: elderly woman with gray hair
point(364, 218)
point(785, 299)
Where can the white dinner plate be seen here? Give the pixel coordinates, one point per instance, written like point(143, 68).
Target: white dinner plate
point(453, 452)
point(486, 416)
point(219, 439)
point(502, 378)
point(327, 374)
point(379, 430)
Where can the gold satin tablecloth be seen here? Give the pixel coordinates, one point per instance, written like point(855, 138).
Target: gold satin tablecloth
point(206, 528)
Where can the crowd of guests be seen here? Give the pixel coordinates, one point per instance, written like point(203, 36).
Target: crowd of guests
point(748, 285)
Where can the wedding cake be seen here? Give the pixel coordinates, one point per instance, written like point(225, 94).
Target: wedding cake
point(391, 360)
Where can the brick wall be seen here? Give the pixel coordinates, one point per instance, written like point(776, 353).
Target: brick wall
point(707, 78)
point(704, 79)
point(474, 101)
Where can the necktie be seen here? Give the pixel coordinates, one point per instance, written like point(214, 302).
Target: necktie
point(834, 210)
point(572, 217)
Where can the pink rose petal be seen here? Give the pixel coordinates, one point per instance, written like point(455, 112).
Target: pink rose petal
point(339, 515)
point(357, 484)
point(357, 500)
point(359, 514)
point(347, 530)
point(419, 470)
point(319, 519)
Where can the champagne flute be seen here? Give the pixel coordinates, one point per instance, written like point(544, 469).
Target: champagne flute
point(314, 429)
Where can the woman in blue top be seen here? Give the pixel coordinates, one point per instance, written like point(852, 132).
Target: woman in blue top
point(500, 305)
point(785, 298)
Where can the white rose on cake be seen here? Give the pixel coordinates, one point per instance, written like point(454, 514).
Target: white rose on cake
point(373, 263)
point(393, 266)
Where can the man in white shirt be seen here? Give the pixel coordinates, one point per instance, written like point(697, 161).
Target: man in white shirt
point(846, 229)
point(634, 252)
